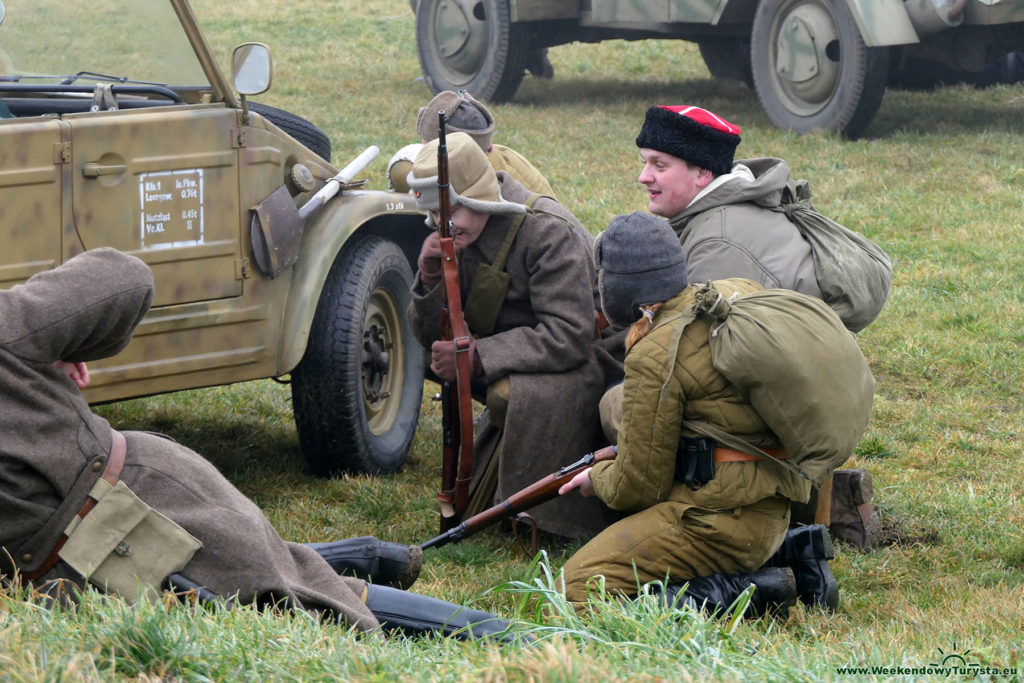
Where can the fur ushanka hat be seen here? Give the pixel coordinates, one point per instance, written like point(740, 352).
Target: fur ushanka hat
point(464, 114)
point(471, 178)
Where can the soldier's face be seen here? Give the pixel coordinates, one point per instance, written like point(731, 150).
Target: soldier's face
point(467, 225)
point(671, 182)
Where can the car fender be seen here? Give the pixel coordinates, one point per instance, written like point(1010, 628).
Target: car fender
point(890, 22)
point(345, 219)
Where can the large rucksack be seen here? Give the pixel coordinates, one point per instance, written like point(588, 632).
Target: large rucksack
point(799, 367)
point(853, 272)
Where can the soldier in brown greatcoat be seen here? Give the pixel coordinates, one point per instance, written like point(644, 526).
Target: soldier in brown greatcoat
point(535, 354)
point(78, 498)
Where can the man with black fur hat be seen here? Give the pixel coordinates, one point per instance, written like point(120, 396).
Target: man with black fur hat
point(532, 340)
point(721, 210)
point(468, 115)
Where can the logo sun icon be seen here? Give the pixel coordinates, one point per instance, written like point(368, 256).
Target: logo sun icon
point(954, 658)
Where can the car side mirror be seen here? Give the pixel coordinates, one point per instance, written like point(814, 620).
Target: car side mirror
point(251, 68)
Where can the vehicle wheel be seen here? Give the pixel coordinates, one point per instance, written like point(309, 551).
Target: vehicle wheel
point(811, 68)
point(296, 126)
point(728, 58)
point(356, 393)
point(471, 45)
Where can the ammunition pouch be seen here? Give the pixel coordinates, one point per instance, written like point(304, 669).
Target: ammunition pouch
point(486, 295)
point(695, 461)
point(490, 283)
point(124, 546)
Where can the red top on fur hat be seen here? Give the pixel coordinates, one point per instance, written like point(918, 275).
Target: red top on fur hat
point(704, 117)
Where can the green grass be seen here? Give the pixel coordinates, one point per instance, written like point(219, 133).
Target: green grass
point(937, 182)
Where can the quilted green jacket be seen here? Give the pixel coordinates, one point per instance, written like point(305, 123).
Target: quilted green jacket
point(658, 394)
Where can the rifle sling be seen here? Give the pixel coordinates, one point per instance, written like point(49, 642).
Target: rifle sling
point(456, 492)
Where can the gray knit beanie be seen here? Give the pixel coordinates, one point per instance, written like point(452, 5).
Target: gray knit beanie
point(639, 261)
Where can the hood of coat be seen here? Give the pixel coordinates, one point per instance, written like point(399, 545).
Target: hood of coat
point(770, 176)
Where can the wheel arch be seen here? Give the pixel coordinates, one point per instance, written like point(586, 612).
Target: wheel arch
point(327, 234)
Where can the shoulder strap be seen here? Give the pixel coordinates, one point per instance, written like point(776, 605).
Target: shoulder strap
point(680, 321)
point(510, 236)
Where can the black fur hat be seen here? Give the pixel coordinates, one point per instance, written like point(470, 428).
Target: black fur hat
point(692, 134)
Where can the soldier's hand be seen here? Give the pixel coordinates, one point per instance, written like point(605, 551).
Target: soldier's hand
point(442, 359)
point(78, 372)
point(581, 481)
point(429, 262)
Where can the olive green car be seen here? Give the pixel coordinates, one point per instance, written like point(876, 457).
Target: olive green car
point(266, 263)
point(815, 64)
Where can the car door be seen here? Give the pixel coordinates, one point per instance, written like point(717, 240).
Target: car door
point(31, 154)
point(161, 183)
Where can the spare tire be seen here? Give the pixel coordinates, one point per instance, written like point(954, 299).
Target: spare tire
point(296, 126)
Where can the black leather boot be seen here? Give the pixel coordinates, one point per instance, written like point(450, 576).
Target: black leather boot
point(774, 591)
point(806, 550)
point(415, 614)
point(373, 560)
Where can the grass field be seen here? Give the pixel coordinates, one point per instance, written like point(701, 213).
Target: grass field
point(937, 182)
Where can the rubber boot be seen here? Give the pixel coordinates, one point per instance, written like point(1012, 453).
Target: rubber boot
point(774, 591)
point(373, 560)
point(854, 519)
point(415, 614)
point(806, 550)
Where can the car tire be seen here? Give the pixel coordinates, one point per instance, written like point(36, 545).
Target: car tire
point(840, 88)
point(471, 46)
point(356, 393)
point(296, 126)
point(728, 58)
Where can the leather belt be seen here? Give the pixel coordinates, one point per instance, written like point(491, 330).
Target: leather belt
point(111, 473)
point(600, 322)
point(723, 454)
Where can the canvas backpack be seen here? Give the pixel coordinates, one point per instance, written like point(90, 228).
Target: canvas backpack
point(798, 366)
point(854, 273)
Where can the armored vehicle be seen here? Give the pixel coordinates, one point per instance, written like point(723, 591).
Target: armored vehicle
point(267, 259)
point(815, 64)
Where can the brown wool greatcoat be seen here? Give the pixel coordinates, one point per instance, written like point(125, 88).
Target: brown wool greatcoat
point(542, 342)
point(53, 449)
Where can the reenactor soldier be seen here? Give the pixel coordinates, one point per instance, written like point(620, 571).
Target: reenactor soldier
point(466, 115)
point(127, 510)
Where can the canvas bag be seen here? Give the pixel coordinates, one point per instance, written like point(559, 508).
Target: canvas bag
point(801, 370)
point(854, 274)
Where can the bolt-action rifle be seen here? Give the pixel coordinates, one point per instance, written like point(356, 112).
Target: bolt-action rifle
point(536, 493)
point(456, 397)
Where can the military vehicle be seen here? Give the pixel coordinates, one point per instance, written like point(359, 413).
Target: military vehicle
point(815, 64)
point(120, 129)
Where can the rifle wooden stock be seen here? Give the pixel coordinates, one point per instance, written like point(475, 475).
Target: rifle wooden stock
point(536, 493)
point(456, 397)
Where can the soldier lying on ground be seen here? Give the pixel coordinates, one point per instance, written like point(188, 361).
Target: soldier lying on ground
point(80, 500)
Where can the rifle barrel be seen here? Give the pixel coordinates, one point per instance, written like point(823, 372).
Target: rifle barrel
point(536, 493)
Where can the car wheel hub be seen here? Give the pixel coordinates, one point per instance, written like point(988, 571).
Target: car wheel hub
point(807, 57)
point(461, 34)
